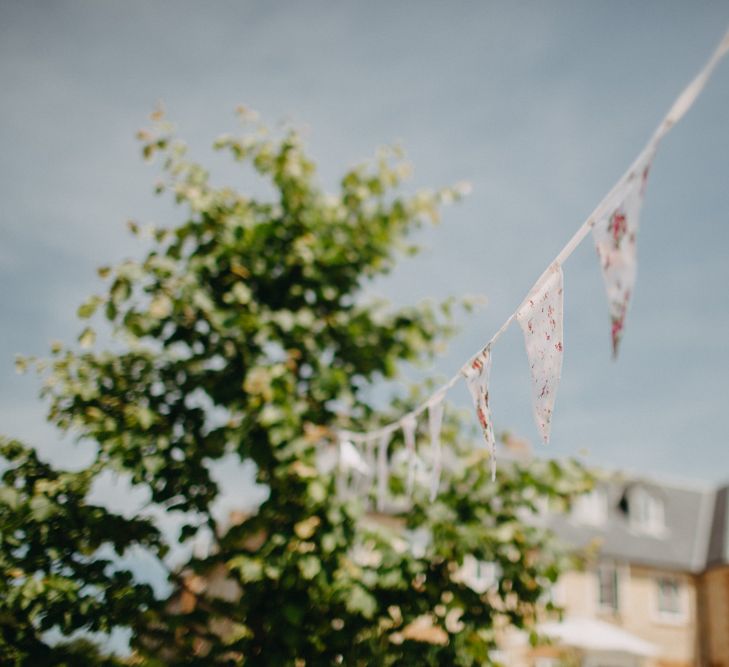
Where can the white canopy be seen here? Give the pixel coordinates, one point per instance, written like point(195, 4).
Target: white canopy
point(592, 635)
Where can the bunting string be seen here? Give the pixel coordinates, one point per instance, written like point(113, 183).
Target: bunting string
point(614, 226)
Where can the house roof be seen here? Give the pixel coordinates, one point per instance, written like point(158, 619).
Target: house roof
point(695, 530)
point(718, 551)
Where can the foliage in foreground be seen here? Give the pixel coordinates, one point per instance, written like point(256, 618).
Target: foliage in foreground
point(243, 333)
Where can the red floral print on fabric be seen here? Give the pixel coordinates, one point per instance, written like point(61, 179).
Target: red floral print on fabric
point(476, 374)
point(540, 318)
point(618, 227)
point(615, 235)
point(617, 324)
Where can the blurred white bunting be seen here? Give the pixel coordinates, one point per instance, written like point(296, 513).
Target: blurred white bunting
point(409, 426)
point(435, 421)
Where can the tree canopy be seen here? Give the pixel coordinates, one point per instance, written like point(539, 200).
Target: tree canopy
point(244, 332)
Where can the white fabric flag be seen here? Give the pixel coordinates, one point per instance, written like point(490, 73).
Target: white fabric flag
point(351, 459)
point(540, 317)
point(382, 471)
point(476, 372)
point(435, 420)
point(616, 233)
point(409, 426)
point(368, 471)
point(369, 454)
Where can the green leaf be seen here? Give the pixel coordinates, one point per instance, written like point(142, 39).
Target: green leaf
point(41, 508)
point(89, 307)
point(361, 602)
point(309, 566)
point(250, 569)
point(87, 338)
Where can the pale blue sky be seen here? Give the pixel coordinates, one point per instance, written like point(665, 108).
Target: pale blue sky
point(541, 106)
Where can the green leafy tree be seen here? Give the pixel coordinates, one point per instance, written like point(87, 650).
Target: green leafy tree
point(243, 332)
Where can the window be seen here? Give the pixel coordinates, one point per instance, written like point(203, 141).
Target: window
point(607, 587)
point(646, 512)
point(592, 508)
point(669, 597)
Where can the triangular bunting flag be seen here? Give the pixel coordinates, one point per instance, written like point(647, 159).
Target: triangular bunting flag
point(435, 420)
point(540, 317)
point(369, 467)
point(382, 471)
point(615, 234)
point(351, 459)
point(409, 426)
point(476, 373)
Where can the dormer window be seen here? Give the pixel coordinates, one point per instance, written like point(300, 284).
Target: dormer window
point(591, 508)
point(646, 512)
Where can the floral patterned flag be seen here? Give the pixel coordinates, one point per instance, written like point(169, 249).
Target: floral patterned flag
point(435, 420)
point(476, 372)
point(615, 234)
point(540, 317)
point(409, 426)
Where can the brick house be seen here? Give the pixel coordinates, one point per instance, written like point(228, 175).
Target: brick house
point(656, 591)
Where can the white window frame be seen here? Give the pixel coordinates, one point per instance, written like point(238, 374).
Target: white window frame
point(617, 575)
point(663, 616)
point(646, 512)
